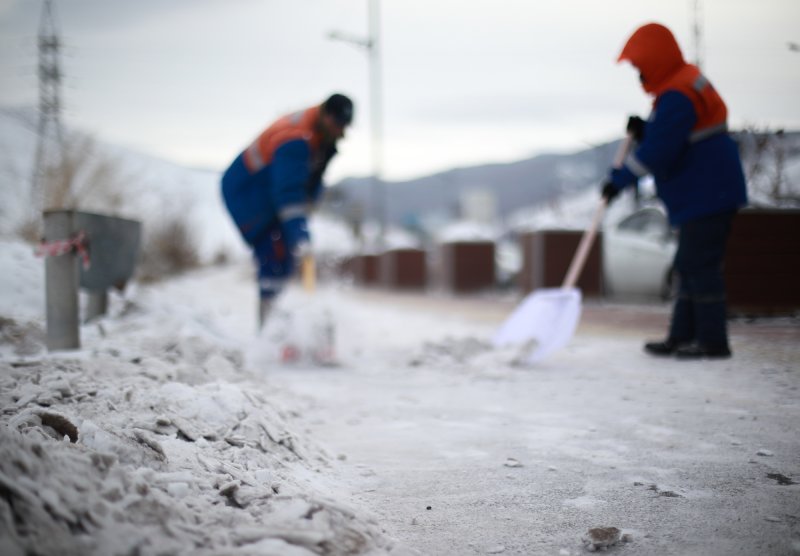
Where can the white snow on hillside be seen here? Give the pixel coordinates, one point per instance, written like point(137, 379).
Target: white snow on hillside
point(154, 191)
point(571, 212)
point(465, 230)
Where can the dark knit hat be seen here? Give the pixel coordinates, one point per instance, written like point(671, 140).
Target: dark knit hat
point(340, 107)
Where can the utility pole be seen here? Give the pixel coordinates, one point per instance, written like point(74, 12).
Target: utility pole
point(376, 117)
point(50, 140)
point(372, 44)
point(697, 32)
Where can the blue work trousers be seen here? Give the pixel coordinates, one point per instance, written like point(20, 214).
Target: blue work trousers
point(700, 311)
point(275, 262)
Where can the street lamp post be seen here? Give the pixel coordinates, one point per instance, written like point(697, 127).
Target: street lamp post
point(372, 45)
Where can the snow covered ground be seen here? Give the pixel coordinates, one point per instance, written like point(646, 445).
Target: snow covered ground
point(175, 430)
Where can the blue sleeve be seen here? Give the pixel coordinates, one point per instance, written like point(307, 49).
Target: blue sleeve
point(316, 186)
point(622, 177)
point(290, 172)
point(295, 232)
point(316, 191)
point(666, 136)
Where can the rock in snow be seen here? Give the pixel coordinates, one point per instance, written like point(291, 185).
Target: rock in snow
point(601, 538)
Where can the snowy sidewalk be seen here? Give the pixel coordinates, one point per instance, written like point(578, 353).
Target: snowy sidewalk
point(460, 453)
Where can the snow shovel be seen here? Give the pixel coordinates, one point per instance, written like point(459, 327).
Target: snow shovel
point(547, 318)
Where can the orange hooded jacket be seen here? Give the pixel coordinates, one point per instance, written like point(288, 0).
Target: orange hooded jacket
point(654, 51)
point(686, 146)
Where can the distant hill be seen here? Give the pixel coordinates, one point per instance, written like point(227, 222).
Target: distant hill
point(768, 158)
point(517, 184)
point(546, 186)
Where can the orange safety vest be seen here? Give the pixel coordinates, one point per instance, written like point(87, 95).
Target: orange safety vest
point(712, 114)
point(299, 125)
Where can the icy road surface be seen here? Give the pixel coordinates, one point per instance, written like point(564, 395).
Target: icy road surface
point(459, 452)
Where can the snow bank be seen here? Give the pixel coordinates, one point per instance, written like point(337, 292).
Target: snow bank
point(21, 281)
point(155, 439)
point(104, 458)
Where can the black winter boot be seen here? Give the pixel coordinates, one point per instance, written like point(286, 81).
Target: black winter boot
point(661, 349)
point(699, 351)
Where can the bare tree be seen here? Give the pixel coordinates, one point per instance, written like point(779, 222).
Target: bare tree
point(88, 178)
point(168, 249)
point(764, 154)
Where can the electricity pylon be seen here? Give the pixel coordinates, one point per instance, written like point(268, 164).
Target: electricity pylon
point(50, 140)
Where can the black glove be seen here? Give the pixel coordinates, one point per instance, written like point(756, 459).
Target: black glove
point(609, 191)
point(636, 127)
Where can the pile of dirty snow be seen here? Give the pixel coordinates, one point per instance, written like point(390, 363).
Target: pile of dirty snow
point(154, 439)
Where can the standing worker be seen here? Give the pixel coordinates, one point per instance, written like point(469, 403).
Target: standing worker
point(272, 185)
point(686, 147)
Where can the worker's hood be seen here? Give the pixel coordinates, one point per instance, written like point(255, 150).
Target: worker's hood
point(653, 50)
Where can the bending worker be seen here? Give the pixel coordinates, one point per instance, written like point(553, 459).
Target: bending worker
point(270, 188)
point(685, 145)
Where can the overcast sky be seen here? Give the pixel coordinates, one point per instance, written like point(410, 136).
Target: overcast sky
point(464, 81)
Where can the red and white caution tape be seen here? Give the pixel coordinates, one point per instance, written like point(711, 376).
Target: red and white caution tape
point(78, 244)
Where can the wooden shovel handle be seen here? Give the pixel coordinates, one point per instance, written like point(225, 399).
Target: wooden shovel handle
point(308, 271)
point(587, 239)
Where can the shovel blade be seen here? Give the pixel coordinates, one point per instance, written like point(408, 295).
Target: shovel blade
point(547, 317)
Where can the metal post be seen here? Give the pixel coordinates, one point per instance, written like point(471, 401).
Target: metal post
point(61, 285)
point(697, 33)
point(376, 121)
point(372, 44)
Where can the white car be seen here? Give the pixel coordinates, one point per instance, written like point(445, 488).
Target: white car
point(638, 252)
